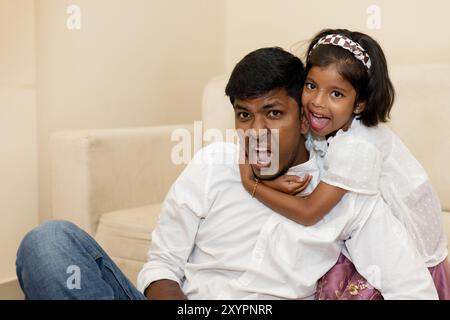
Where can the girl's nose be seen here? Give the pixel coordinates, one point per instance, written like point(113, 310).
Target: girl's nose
point(319, 99)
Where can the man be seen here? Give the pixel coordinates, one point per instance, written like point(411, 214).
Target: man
point(214, 241)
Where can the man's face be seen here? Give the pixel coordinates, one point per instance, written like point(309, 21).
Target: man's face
point(272, 128)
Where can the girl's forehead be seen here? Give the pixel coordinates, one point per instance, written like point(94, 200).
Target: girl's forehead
point(332, 67)
point(327, 73)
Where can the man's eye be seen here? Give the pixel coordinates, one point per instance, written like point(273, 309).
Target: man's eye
point(275, 113)
point(310, 86)
point(242, 115)
point(336, 94)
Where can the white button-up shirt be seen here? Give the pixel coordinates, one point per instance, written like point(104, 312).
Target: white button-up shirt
point(218, 242)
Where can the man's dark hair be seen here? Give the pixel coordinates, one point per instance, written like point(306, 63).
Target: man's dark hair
point(264, 70)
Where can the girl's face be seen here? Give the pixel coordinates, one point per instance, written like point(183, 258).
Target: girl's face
point(329, 101)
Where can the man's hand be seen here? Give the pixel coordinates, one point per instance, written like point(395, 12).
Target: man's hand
point(289, 184)
point(164, 290)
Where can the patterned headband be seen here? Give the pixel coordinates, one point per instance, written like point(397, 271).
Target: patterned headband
point(348, 44)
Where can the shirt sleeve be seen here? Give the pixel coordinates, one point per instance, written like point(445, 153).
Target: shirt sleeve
point(384, 254)
point(353, 165)
point(173, 237)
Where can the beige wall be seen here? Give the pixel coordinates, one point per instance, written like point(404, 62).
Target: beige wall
point(132, 63)
point(18, 160)
point(411, 31)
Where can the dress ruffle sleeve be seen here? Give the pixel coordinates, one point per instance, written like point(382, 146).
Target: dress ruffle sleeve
point(353, 165)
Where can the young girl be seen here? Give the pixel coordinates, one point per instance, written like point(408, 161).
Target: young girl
point(347, 98)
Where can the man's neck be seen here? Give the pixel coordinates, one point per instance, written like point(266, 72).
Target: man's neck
point(302, 154)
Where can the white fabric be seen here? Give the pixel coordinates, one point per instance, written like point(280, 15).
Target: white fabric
point(370, 160)
point(421, 118)
point(219, 243)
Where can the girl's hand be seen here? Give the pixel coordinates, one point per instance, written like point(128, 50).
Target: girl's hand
point(247, 176)
point(245, 169)
point(289, 184)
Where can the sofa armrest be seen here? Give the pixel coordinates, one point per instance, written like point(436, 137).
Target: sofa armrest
point(99, 171)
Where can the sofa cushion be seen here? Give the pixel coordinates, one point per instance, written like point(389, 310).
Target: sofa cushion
point(126, 234)
point(130, 268)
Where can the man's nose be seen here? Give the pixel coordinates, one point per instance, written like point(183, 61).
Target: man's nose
point(259, 128)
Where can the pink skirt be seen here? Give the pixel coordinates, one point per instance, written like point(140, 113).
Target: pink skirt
point(343, 282)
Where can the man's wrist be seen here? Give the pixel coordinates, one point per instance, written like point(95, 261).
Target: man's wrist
point(255, 186)
point(164, 290)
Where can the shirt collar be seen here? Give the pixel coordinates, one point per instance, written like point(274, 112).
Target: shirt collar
point(307, 166)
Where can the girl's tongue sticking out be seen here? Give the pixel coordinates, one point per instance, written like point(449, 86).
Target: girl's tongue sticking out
point(318, 122)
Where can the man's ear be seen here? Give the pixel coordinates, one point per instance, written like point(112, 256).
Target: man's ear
point(360, 106)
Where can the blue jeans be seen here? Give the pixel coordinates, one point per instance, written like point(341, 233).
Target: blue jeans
point(58, 260)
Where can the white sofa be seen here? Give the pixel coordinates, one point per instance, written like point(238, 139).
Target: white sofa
point(112, 182)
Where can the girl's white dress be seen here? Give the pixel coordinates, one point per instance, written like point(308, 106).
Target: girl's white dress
point(369, 160)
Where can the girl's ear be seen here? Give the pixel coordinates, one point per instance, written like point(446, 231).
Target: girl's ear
point(360, 106)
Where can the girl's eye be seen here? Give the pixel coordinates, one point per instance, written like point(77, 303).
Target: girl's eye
point(275, 113)
point(336, 94)
point(310, 86)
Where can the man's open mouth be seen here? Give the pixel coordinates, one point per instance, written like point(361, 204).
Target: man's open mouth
point(264, 158)
point(260, 157)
